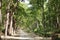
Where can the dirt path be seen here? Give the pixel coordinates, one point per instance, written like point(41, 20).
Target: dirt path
point(22, 35)
point(28, 35)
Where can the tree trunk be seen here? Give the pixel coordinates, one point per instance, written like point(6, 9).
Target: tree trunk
point(7, 23)
point(11, 23)
point(14, 24)
point(7, 20)
point(54, 36)
point(0, 12)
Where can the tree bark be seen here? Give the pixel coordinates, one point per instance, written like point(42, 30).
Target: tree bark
point(11, 23)
point(7, 19)
point(0, 12)
point(7, 23)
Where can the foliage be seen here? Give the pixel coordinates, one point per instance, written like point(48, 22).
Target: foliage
point(41, 18)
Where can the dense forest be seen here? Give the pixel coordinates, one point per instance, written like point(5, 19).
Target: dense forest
point(41, 17)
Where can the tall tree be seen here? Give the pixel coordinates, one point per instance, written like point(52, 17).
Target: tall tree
point(7, 19)
point(0, 12)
